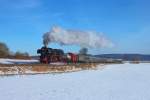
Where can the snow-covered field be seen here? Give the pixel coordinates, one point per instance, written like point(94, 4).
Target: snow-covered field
point(17, 61)
point(115, 82)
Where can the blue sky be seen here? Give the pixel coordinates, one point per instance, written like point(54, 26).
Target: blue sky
point(125, 22)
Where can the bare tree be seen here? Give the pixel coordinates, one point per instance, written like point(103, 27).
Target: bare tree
point(20, 55)
point(4, 50)
point(136, 59)
point(83, 51)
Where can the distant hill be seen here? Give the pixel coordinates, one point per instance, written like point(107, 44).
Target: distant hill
point(127, 57)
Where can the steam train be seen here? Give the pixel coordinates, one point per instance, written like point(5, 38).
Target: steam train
point(49, 55)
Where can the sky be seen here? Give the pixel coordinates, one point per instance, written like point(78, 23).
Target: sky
point(125, 22)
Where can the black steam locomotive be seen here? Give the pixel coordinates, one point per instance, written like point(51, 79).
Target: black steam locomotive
point(49, 55)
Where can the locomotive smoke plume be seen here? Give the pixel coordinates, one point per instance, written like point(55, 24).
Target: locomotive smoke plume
point(84, 39)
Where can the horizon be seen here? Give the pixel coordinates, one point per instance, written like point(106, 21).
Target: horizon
point(125, 23)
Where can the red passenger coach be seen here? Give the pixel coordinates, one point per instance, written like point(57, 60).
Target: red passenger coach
point(73, 57)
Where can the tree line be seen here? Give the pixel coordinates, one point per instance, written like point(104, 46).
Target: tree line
point(6, 53)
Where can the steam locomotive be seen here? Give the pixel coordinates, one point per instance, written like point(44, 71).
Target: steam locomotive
point(49, 55)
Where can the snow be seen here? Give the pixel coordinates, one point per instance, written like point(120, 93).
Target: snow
point(20, 61)
point(17, 61)
point(114, 82)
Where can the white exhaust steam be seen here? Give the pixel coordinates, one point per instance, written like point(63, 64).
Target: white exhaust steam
point(70, 37)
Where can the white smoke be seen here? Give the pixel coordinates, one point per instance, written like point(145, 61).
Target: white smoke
point(81, 38)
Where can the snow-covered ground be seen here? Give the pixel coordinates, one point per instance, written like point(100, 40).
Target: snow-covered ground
point(17, 61)
point(115, 82)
